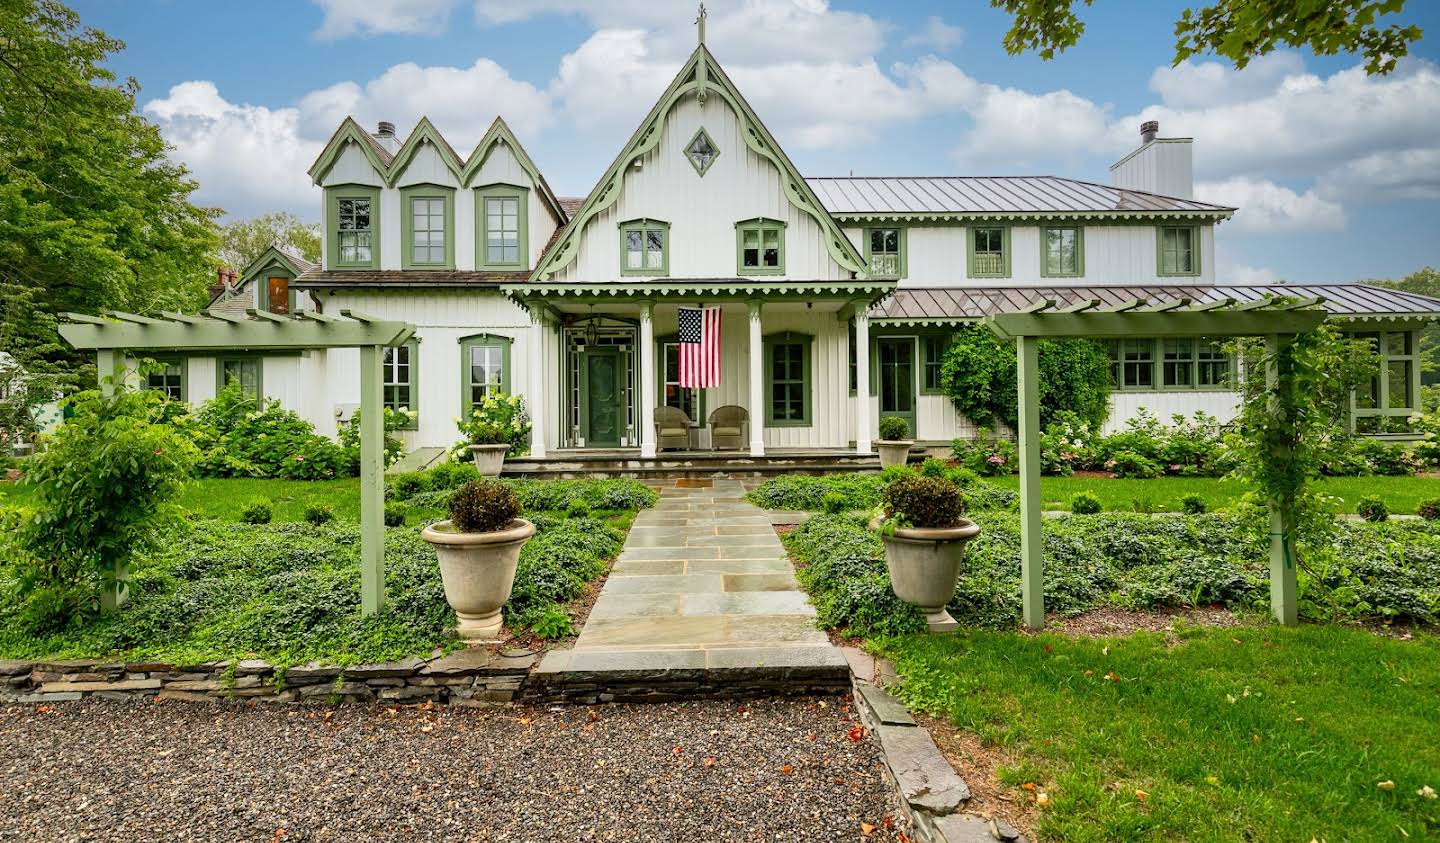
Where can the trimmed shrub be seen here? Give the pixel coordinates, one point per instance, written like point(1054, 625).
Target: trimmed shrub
point(933, 467)
point(1193, 505)
point(257, 513)
point(483, 506)
point(395, 514)
point(1429, 509)
point(894, 428)
point(406, 486)
point(923, 502)
point(1085, 503)
point(319, 513)
point(835, 503)
point(1372, 509)
point(1131, 464)
point(577, 508)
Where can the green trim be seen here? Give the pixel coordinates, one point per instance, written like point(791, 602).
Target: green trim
point(499, 134)
point(1382, 409)
point(970, 233)
point(622, 376)
point(408, 195)
point(670, 290)
point(1194, 250)
point(262, 281)
point(177, 332)
point(660, 344)
point(333, 195)
point(806, 342)
point(759, 225)
point(267, 258)
point(171, 360)
point(902, 237)
point(348, 132)
point(413, 346)
point(1045, 251)
point(915, 376)
point(685, 150)
point(499, 190)
point(646, 225)
point(1034, 217)
point(424, 132)
point(926, 362)
point(500, 341)
point(259, 361)
point(1105, 325)
point(1157, 365)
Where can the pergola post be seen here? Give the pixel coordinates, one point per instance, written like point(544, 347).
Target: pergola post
point(1032, 563)
point(1283, 584)
point(106, 370)
point(372, 483)
point(115, 591)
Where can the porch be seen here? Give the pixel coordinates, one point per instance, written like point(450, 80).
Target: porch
point(628, 462)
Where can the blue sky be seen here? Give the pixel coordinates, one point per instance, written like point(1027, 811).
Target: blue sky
point(1337, 174)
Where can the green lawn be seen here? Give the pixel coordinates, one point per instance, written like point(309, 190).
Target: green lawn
point(1232, 734)
point(1401, 494)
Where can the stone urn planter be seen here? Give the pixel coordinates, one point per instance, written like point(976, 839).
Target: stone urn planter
point(894, 451)
point(924, 565)
point(489, 459)
point(478, 571)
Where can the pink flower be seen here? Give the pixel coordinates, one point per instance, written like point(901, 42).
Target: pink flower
point(1174, 466)
point(997, 460)
point(1066, 455)
point(299, 458)
point(1109, 463)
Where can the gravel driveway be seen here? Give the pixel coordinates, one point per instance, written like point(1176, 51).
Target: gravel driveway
point(762, 770)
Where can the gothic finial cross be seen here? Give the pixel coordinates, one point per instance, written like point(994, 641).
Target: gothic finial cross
point(700, 21)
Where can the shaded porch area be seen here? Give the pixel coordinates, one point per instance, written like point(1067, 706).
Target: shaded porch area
point(629, 462)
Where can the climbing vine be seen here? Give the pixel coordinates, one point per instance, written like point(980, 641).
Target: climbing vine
point(979, 375)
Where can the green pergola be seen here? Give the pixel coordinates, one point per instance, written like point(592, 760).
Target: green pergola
point(1276, 319)
point(117, 334)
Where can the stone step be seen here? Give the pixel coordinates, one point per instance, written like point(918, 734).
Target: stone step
point(593, 675)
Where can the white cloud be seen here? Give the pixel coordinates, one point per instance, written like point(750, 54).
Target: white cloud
point(344, 18)
point(1386, 176)
point(1015, 128)
point(1268, 208)
point(937, 35)
point(1207, 84)
point(1239, 273)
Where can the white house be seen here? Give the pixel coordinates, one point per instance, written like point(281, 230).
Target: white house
point(837, 294)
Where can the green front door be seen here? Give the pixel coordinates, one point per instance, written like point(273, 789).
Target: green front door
point(897, 378)
point(602, 398)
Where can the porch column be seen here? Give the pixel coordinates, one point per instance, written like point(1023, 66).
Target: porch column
point(537, 396)
point(647, 379)
point(757, 386)
point(862, 380)
point(1032, 560)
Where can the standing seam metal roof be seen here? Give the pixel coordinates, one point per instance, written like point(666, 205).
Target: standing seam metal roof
point(857, 195)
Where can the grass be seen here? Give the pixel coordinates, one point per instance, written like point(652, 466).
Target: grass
point(225, 498)
point(1401, 494)
point(1230, 734)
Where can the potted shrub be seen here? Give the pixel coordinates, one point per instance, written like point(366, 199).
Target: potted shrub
point(894, 442)
point(493, 428)
point(478, 549)
point(921, 524)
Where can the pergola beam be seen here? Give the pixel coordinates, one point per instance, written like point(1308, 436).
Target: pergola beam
point(1080, 306)
point(1167, 305)
point(132, 318)
point(1218, 304)
point(1109, 324)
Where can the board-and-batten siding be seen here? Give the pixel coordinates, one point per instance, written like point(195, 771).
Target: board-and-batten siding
point(1222, 404)
point(702, 212)
point(502, 167)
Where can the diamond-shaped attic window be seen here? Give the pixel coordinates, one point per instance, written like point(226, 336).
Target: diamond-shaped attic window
point(702, 152)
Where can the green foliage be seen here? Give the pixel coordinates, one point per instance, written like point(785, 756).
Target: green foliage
point(1131, 464)
point(842, 565)
point(547, 622)
point(242, 241)
point(257, 513)
point(237, 438)
point(894, 428)
point(1372, 509)
point(103, 491)
point(1429, 509)
point(834, 503)
point(498, 420)
point(861, 492)
point(609, 494)
point(577, 508)
point(986, 455)
point(1193, 505)
point(395, 420)
point(979, 375)
point(395, 514)
point(919, 501)
point(406, 486)
point(1085, 504)
point(555, 566)
point(319, 514)
point(1237, 30)
point(483, 506)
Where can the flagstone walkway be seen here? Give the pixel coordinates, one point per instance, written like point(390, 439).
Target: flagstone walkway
point(703, 583)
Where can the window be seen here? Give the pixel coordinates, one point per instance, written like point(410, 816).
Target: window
point(787, 369)
point(485, 366)
point(1179, 250)
point(279, 298)
point(354, 212)
point(702, 152)
point(1212, 365)
point(398, 378)
point(689, 401)
point(1062, 252)
point(168, 380)
point(761, 246)
point(932, 349)
point(1184, 363)
point(246, 370)
point(989, 252)
point(644, 247)
point(501, 220)
point(1133, 363)
point(1177, 361)
point(1390, 398)
point(428, 221)
point(885, 251)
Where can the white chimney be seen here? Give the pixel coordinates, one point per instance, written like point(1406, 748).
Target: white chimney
point(385, 133)
point(1161, 165)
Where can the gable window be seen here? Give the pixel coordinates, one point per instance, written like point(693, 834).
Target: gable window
point(761, 245)
point(168, 379)
point(398, 378)
point(485, 367)
point(989, 252)
point(644, 247)
point(244, 370)
point(787, 371)
point(354, 226)
point(501, 219)
point(932, 362)
point(701, 152)
point(885, 251)
point(1385, 404)
point(1063, 251)
point(429, 221)
point(687, 400)
point(1179, 247)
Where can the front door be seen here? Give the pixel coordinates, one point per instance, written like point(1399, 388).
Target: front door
point(897, 378)
point(602, 395)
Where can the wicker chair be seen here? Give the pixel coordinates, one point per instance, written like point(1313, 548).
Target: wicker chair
point(727, 428)
point(672, 428)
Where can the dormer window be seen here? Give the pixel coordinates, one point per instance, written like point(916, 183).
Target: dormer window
point(702, 152)
point(1179, 249)
point(429, 224)
point(644, 247)
point(500, 223)
point(353, 221)
point(355, 230)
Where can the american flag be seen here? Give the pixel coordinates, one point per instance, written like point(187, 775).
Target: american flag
point(698, 331)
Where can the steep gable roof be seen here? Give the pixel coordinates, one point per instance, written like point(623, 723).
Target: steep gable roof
point(296, 264)
point(424, 132)
point(702, 75)
point(499, 134)
point(351, 132)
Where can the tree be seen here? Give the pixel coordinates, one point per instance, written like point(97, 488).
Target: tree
point(979, 374)
point(1238, 30)
point(93, 215)
point(242, 241)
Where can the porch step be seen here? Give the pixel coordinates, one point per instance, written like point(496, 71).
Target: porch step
point(590, 675)
point(691, 465)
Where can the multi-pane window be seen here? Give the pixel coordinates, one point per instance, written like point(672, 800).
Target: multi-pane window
point(245, 370)
point(354, 229)
point(427, 229)
point(1179, 250)
point(484, 370)
point(1177, 361)
point(685, 399)
point(398, 375)
point(502, 230)
point(702, 152)
point(643, 248)
point(169, 381)
point(1062, 251)
point(886, 249)
point(1183, 362)
point(788, 375)
point(762, 247)
point(987, 252)
point(1212, 365)
point(932, 361)
point(1133, 363)
point(1385, 403)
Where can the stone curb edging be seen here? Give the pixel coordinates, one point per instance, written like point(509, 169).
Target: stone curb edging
point(931, 793)
point(464, 678)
